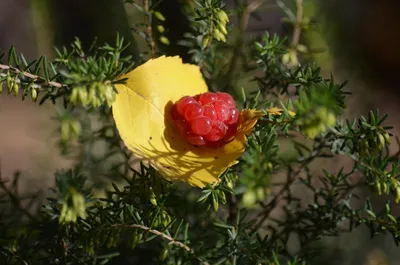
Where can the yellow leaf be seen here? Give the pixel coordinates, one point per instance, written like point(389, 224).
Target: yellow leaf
point(142, 115)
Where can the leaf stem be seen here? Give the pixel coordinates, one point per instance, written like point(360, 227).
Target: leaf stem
point(29, 75)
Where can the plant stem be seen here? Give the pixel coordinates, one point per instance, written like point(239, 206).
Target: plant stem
point(29, 75)
point(149, 28)
point(243, 18)
point(297, 24)
point(291, 180)
point(158, 233)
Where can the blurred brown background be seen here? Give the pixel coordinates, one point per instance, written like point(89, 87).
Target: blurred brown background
point(362, 38)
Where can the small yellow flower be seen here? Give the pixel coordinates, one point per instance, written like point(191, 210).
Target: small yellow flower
point(142, 115)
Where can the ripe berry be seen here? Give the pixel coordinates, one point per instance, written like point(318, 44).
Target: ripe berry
point(201, 126)
point(184, 102)
point(174, 113)
point(222, 109)
point(227, 98)
point(208, 119)
point(217, 132)
point(182, 126)
point(233, 116)
point(192, 111)
point(195, 139)
point(207, 98)
point(209, 111)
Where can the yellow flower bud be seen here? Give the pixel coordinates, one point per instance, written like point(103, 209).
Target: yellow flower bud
point(92, 95)
point(385, 188)
point(260, 193)
point(331, 119)
point(164, 253)
point(135, 239)
point(249, 198)
point(397, 194)
point(222, 28)
point(153, 198)
point(230, 184)
point(222, 16)
point(164, 40)
point(222, 196)
point(75, 127)
point(82, 95)
point(159, 16)
point(166, 218)
point(378, 187)
point(205, 41)
point(215, 204)
point(381, 141)
point(286, 58)
point(73, 96)
point(217, 34)
point(96, 102)
point(160, 28)
point(34, 94)
point(65, 130)
point(387, 137)
point(9, 82)
point(15, 89)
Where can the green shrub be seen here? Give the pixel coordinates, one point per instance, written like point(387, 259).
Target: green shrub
point(109, 208)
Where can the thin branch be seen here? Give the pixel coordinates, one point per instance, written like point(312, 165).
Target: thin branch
point(29, 75)
point(233, 208)
point(158, 233)
point(210, 40)
point(146, 6)
point(14, 199)
point(243, 18)
point(297, 25)
point(271, 205)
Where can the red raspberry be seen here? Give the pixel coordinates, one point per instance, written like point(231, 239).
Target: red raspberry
point(201, 126)
point(208, 119)
point(182, 126)
point(227, 98)
point(184, 102)
point(217, 132)
point(233, 116)
point(209, 111)
point(195, 139)
point(193, 111)
point(207, 98)
point(222, 109)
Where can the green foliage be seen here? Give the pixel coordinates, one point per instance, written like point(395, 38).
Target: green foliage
point(110, 208)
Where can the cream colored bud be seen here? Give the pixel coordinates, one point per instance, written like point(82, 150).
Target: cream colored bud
point(160, 28)
point(65, 130)
point(15, 89)
point(73, 96)
point(222, 28)
point(205, 41)
point(159, 16)
point(164, 40)
point(222, 16)
point(34, 94)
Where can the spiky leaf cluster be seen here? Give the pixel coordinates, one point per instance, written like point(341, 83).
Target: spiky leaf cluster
point(110, 208)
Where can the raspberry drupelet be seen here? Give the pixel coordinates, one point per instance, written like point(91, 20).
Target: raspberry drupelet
point(206, 120)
